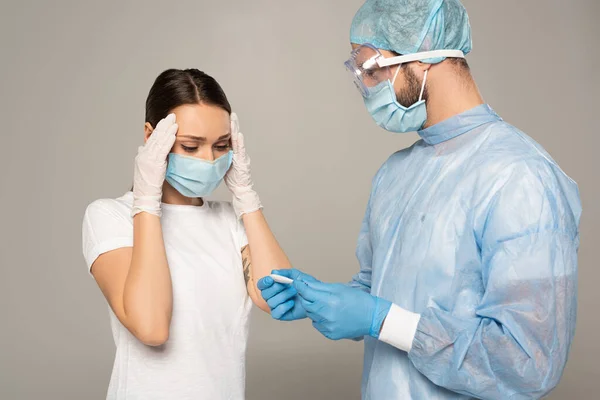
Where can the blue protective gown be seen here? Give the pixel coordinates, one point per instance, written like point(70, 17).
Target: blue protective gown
point(475, 228)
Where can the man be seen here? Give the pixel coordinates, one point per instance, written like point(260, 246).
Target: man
point(468, 250)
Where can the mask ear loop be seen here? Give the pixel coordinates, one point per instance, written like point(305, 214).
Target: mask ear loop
point(423, 86)
point(396, 74)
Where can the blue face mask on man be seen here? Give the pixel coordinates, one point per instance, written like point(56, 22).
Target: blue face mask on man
point(392, 116)
point(194, 177)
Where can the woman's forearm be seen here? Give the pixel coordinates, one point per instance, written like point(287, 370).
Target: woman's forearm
point(266, 254)
point(148, 293)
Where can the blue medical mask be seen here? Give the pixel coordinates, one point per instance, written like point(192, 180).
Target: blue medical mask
point(393, 116)
point(194, 177)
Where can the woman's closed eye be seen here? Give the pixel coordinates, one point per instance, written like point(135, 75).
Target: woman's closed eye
point(222, 147)
point(189, 149)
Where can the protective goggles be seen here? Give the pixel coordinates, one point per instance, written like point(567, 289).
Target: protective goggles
point(369, 67)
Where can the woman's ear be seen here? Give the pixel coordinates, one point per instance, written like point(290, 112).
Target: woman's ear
point(148, 129)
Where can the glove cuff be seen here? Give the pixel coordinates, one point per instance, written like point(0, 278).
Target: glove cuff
point(149, 204)
point(382, 308)
point(246, 202)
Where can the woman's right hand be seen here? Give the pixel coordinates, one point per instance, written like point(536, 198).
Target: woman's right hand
point(151, 167)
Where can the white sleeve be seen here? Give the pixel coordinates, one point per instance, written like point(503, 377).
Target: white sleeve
point(107, 225)
point(237, 226)
point(240, 233)
point(399, 328)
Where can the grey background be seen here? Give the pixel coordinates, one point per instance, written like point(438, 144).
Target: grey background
point(73, 81)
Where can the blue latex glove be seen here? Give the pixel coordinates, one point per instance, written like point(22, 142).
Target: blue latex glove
point(281, 298)
point(342, 312)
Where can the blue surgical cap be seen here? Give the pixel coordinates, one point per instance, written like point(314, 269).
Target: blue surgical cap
point(413, 26)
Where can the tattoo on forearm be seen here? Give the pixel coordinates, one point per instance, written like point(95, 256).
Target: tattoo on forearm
point(246, 263)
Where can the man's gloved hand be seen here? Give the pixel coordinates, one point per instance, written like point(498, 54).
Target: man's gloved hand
point(282, 298)
point(339, 311)
point(151, 167)
point(238, 179)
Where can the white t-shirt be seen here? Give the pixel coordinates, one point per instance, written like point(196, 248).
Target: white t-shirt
point(204, 357)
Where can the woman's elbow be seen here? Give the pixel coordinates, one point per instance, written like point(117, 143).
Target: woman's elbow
point(260, 302)
point(152, 335)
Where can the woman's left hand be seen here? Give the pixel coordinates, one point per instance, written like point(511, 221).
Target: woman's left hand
point(238, 179)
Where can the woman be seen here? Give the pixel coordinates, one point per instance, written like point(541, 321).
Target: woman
point(178, 271)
